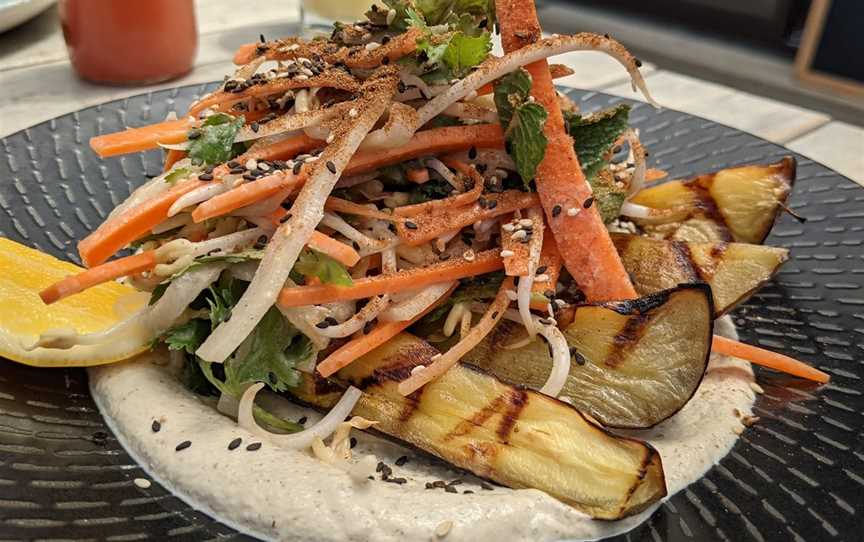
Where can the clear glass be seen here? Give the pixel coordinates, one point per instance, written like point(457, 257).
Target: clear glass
point(317, 16)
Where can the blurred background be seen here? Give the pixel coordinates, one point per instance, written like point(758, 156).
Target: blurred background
point(791, 71)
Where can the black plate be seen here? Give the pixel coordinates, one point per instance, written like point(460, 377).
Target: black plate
point(796, 475)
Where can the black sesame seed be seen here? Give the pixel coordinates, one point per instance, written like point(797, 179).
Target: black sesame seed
point(237, 170)
point(487, 487)
point(450, 489)
point(495, 315)
point(385, 61)
point(193, 134)
point(482, 203)
point(467, 492)
point(380, 466)
point(492, 204)
point(302, 420)
point(588, 202)
point(233, 163)
point(637, 62)
point(323, 324)
point(444, 257)
point(483, 23)
point(156, 426)
point(183, 445)
point(439, 483)
point(472, 153)
point(234, 444)
point(402, 460)
point(254, 127)
point(400, 87)
point(253, 447)
point(556, 210)
point(430, 485)
point(353, 442)
point(542, 269)
point(205, 177)
point(386, 39)
point(297, 166)
point(580, 359)
point(261, 37)
point(410, 225)
point(332, 321)
point(331, 167)
point(399, 481)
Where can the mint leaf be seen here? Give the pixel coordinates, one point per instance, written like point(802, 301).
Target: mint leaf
point(215, 144)
point(316, 264)
point(464, 52)
point(511, 91)
point(608, 197)
point(593, 135)
point(178, 174)
point(526, 139)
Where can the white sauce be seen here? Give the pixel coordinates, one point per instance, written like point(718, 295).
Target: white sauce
point(279, 494)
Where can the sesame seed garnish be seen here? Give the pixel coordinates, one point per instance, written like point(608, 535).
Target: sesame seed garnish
point(352, 442)
point(331, 166)
point(556, 210)
point(371, 46)
point(234, 444)
point(401, 461)
point(472, 153)
point(183, 445)
point(468, 255)
point(237, 170)
point(508, 227)
point(637, 62)
point(541, 278)
point(296, 169)
point(255, 446)
point(756, 387)
point(519, 235)
point(263, 166)
point(443, 528)
point(302, 420)
point(330, 138)
point(410, 225)
point(417, 369)
point(507, 253)
point(588, 202)
point(143, 483)
point(525, 222)
point(542, 269)
point(301, 77)
point(353, 112)
point(572, 211)
point(251, 164)
point(205, 177)
point(156, 426)
point(254, 127)
point(444, 256)
point(323, 324)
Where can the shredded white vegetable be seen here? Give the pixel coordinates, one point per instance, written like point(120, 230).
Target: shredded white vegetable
point(409, 308)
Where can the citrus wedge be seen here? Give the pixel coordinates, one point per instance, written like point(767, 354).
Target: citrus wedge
point(24, 272)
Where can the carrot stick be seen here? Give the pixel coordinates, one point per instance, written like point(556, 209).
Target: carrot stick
point(583, 241)
point(141, 139)
point(449, 358)
point(131, 224)
point(340, 252)
point(516, 262)
point(422, 228)
point(550, 263)
point(434, 141)
point(364, 344)
point(409, 279)
point(246, 194)
point(114, 269)
point(766, 358)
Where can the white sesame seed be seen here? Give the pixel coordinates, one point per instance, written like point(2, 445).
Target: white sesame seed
point(519, 235)
point(756, 387)
point(312, 158)
point(573, 211)
point(301, 77)
point(307, 72)
point(531, 99)
point(331, 137)
point(143, 483)
point(507, 253)
point(508, 227)
point(542, 278)
point(353, 112)
point(251, 164)
point(443, 528)
point(525, 222)
point(263, 167)
point(294, 47)
point(304, 156)
point(417, 369)
point(391, 16)
point(468, 255)
point(372, 45)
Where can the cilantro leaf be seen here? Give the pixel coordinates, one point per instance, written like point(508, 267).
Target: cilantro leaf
point(593, 135)
point(463, 52)
point(316, 264)
point(522, 121)
point(215, 144)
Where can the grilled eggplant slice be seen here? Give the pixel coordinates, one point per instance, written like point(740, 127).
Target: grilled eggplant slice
point(737, 204)
point(637, 362)
point(733, 270)
point(517, 437)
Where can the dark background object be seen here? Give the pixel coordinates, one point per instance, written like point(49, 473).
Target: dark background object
point(795, 475)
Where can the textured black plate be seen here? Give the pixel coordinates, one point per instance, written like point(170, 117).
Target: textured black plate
point(796, 475)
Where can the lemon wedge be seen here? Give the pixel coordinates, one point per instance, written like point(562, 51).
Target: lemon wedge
point(23, 317)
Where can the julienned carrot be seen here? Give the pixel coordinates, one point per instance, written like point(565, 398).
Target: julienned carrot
point(340, 205)
point(582, 238)
point(417, 175)
point(339, 251)
point(550, 265)
point(433, 141)
point(364, 344)
point(141, 139)
point(246, 194)
point(422, 228)
point(172, 157)
point(129, 225)
point(766, 358)
point(409, 279)
point(114, 269)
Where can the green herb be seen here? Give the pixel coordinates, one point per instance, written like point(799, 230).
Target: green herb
point(608, 197)
point(463, 52)
point(593, 135)
point(157, 292)
point(522, 121)
point(177, 174)
point(187, 337)
point(432, 189)
point(316, 264)
point(233, 257)
point(216, 142)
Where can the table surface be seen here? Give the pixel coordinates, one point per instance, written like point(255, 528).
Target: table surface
point(38, 83)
